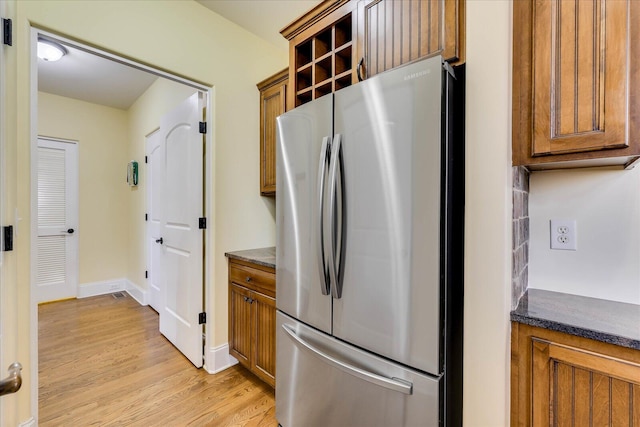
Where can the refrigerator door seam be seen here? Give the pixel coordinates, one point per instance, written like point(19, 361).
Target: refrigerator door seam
point(395, 384)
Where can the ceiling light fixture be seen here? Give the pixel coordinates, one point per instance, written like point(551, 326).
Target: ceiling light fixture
point(50, 51)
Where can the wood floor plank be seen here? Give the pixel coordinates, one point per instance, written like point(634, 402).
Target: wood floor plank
point(102, 361)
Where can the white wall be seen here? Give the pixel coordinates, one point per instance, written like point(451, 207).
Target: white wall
point(606, 206)
point(186, 39)
point(488, 214)
point(102, 138)
point(144, 117)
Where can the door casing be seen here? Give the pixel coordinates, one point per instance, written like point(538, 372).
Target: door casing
point(209, 233)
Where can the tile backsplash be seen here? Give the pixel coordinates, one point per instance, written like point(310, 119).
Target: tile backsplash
point(520, 262)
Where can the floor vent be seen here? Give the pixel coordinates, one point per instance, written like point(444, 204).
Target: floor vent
point(118, 295)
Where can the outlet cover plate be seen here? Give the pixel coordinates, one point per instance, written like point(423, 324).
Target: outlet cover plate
point(564, 234)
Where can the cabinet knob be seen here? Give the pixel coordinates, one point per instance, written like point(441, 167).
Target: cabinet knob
point(248, 279)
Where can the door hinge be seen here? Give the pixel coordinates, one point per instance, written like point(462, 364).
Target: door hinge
point(202, 223)
point(7, 238)
point(7, 32)
point(146, 217)
point(202, 318)
point(146, 274)
point(203, 127)
point(146, 159)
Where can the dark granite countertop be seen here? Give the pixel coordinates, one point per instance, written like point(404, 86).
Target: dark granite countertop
point(601, 320)
point(261, 256)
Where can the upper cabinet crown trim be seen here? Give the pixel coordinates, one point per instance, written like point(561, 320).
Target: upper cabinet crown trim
point(280, 76)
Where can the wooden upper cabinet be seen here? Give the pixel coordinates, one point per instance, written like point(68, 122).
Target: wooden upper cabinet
point(321, 51)
point(576, 81)
point(340, 42)
point(392, 33)
point(273, 98)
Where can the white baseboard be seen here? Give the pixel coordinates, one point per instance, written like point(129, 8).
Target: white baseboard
point(116, 285)
point(31, 422)
point(218, 359)
point(137, 293)
point(92, 289)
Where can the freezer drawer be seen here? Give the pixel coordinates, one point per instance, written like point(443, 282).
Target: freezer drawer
point(322, 381)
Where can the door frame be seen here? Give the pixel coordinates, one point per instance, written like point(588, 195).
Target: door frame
point(76, 214)
point(147, 201)
point(209, 202)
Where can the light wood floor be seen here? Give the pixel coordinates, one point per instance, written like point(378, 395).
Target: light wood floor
point(103, 362)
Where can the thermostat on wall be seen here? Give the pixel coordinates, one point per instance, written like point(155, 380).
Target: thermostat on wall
point(132, 173)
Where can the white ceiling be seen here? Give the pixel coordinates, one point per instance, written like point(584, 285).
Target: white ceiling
point(88, 77)
point(91, 78)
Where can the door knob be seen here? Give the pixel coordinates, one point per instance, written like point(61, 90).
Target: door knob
point(71, 231)
point(159, 240)
point(12, 383)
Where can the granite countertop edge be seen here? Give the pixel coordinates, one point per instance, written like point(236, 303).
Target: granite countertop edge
point(261, 256)
point(553, 325)
point(536, 308)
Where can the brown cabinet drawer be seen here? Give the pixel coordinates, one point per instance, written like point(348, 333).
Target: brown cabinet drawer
point(253, 278)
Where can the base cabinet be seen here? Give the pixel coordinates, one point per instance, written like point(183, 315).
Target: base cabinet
point(252, 316)
point(560, 379)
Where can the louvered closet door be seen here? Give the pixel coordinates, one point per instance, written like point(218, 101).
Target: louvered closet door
point(57, 214)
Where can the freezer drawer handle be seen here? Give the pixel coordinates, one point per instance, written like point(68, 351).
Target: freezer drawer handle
point(395, 384)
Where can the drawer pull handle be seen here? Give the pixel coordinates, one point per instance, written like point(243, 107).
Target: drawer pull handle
point(248, 279)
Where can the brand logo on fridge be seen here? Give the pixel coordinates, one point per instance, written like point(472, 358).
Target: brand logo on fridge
point(416, 75)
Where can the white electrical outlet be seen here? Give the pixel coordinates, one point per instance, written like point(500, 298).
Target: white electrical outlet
point(564, 235)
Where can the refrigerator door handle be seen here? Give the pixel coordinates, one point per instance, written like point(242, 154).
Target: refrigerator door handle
point(395, 384)
point(322, 172)
point(335, 218)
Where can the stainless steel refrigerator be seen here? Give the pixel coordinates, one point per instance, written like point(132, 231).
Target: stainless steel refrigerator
point(369, 252)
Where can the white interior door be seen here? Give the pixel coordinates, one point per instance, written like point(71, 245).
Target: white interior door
point(181, 239)
point(57, 218)
point(155, 180)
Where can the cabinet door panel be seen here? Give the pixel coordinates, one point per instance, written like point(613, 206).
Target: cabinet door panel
point(620, 405)
point(636, 405)
point(396, 32)
point(572, 386)
point(582, 381)
point(579, 54)
point(264, 360)
point(273, 100)
point(273, 104)
point(239, 324)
